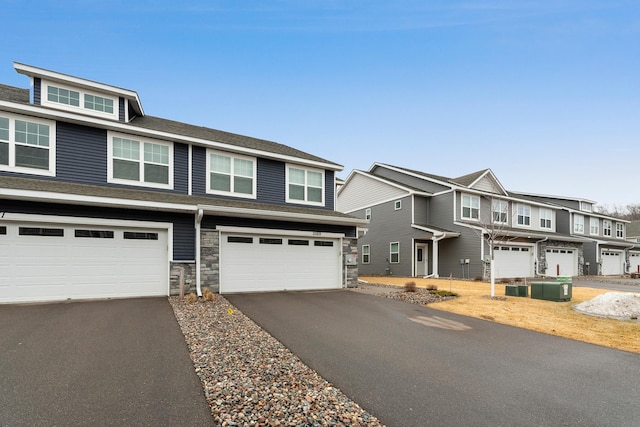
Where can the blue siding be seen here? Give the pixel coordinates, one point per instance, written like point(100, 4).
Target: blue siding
point(212, 222)
point(199, 171)
point(180, 168)
point(121, 104)
point(37, 90)
point(183, 224)
point(329, 189)
point(271, 185)
point(81, 154)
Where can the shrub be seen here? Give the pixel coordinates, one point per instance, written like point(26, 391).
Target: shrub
point(191, 297)
point(432, 288)
point(410, 287)
point(446, 294)
point(207, 295)
point(478, 279)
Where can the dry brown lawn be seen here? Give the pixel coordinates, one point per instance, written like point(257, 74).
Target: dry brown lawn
point(555, 318)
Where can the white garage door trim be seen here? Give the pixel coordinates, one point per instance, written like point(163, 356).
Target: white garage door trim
point(513, 261)
point(634, 262)
point(612, 262)
point(92, 259)
point(263, 260)
point(566, 258)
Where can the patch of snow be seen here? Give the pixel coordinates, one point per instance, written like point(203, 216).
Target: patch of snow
point(618, 305)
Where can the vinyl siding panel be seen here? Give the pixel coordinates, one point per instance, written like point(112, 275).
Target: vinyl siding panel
point(271, 185)
point(180, 168)
point(329, 189)
point(199, 171)
point(486, 184)
point(211, 222)
point(563, 222)
point(421, 210)
point(183, 224)
point(81, 153)
point(363, 191)
point(121, 113)
point(467, 246)
point(440, 211)
point(37, 90)
point(590, 256)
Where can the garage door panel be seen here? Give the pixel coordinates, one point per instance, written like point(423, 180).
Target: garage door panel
point(81, 265)
point(513, 261)
point(563, 259)
point(249, 264)
point(634, 262)
point(612, 262)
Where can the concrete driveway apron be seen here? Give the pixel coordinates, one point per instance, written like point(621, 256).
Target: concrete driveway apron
point(99, 363)
point(415, 366)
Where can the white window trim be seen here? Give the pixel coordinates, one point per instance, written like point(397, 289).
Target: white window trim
point(619, 227)
point(390, 245)
point(591, 227)
point(305, 169)
point(140, 183)
point(254, 191)
point(367, 213)
point(499, 204)
point(586, 207)
point(44, 100)
point(576, 223)
point(11, 167)
point(517, 219)
point(550, 218)
point(368, 254)
point(397, 205)
point(471, 208)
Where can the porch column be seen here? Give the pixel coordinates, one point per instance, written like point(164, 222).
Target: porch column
point(435, 257)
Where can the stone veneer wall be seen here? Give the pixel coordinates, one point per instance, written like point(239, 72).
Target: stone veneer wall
point(189, 277)
point(210, 260)
point(350, 246)
point(542, 255)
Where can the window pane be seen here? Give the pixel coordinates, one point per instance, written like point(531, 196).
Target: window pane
point(126, 149)
point(220, 182)
point(4, 153)
point(314, 194)
point(156, 173)
point(296, 176)
point(296, 192)
point(32, 133)
point(156, 153)
point(243, 167)
point(314, 179)
point(124, 169)
point(32, 157)
point(243, 185)
point(221, 164)
point(4, 129)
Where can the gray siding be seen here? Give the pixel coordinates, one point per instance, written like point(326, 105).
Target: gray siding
point(421, 210)
point(467, 246)
point(591, 257)
point(563, 222)
point(440, 211)
point(388, 225)
point(410, 180)
point(180, 168)
point(183, 224)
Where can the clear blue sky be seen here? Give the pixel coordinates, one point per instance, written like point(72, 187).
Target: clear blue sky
point(545, 93)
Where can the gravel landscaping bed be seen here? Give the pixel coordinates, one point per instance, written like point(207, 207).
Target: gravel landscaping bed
point(420, 296)
point(251, 379)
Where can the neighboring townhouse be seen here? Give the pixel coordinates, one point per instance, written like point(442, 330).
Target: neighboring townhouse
point(633, 231)
point(100, 200)
point(606, 249)
point(427, 225)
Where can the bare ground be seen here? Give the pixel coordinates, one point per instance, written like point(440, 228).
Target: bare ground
point(554, 318)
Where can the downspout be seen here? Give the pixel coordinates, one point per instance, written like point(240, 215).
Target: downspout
point(537, 257)
point(199, 216)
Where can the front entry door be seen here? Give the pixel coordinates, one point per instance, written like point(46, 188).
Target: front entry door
point(421, 261)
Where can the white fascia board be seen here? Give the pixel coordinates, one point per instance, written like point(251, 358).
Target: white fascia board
point(278, 232)
point(436, 233)
point(31, 71)
point(281, 216)
point(42, 112)
point(75, 199)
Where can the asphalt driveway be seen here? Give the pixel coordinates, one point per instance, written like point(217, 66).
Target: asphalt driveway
point(415, 366)
point(99, 363)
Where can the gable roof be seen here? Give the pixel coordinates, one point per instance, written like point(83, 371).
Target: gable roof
point(633, 229)
point(14, 94)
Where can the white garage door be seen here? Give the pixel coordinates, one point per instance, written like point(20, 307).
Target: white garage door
point(634, 262)
point(561, 262)
point(49, 262)
point(256, 263)
point(612, 262)
point(513, 261)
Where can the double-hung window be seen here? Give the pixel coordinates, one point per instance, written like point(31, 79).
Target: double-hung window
point(594, 226)
point(305, 186)
point(135, 161)
point(545, 218)
point(499, 209)
point(366, 254)
point(231, 175)
point(394, 252)
point(578, 223)
point(27, 145)
point(470, 207)
point(524, 215)
point(606, 227)
point(619, 230)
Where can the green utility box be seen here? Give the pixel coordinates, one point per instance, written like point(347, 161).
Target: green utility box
point(563, 279)
point(516, 290)
point(551, 291)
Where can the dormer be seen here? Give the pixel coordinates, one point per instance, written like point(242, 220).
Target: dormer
point(586, 206)
point(73, 94)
